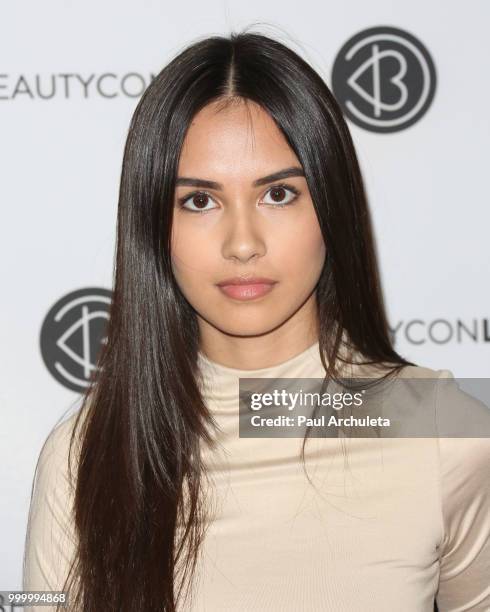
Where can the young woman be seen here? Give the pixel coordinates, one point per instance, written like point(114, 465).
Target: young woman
point(245, 249)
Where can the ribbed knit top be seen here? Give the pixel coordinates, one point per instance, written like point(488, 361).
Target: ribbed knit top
point(386, 524)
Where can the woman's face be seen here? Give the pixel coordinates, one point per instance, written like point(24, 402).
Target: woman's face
point(246, 223)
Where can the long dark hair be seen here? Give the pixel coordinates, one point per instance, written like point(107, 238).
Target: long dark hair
point(140, 472)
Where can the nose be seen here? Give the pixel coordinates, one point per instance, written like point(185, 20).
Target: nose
point(243, 238)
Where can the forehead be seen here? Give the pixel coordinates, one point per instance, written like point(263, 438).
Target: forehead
point(238, 139)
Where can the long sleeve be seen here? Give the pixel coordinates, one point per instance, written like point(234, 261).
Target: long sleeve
point(464, 582)
point(50, 539)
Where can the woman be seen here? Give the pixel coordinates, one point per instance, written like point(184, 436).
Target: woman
point(244, 249)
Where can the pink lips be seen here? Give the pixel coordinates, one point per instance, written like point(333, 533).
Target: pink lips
point(241, 288)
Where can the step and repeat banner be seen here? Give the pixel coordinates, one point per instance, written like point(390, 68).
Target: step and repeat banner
point(412, 80)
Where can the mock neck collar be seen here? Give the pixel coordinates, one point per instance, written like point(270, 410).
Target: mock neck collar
point(221, 383)
point(274, 370)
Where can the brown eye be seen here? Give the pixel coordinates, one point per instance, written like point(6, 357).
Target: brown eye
point(281, 195)
point(278, 193)
point(198, 202)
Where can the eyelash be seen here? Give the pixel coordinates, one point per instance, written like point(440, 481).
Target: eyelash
point(189, 196)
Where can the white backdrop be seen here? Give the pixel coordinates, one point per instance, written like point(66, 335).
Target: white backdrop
point(60, 159)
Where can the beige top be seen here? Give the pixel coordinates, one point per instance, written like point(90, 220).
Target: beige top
point(387, 527)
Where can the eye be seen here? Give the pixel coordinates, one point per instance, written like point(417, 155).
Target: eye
point(198, 199)
point(279, 195)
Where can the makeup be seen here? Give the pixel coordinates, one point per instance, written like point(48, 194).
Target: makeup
point(241, 288)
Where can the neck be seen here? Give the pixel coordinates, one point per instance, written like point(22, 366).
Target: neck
point(256, 352)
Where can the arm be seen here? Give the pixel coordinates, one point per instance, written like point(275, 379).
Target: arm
point(465, 506)
point(50, 539)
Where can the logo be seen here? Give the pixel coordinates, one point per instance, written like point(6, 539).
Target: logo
point(384, 79)
point(442, 331)
point(72, 334)
point(72, 85)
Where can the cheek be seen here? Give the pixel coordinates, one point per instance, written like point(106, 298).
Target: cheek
point(300, 251)
point(191, 256)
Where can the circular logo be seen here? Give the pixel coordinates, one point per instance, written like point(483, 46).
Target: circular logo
point(384, 79)
point(72, 334)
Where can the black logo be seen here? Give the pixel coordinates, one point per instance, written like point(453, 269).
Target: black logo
point(72, 334)
point(384, 79)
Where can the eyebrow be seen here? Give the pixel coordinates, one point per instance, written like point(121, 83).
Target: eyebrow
point(270, 178)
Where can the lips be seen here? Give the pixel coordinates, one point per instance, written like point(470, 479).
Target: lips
point(242, 288)
point(243, 280)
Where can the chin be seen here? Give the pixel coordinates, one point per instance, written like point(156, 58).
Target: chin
point(244, 324)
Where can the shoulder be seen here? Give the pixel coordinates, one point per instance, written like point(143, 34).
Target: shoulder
point(464, 442)
point(50, 538)
point(463, 424)
point(457, 411)
point(55, 453)
point(55, 473)
point(449, 407)
point(417, 371)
